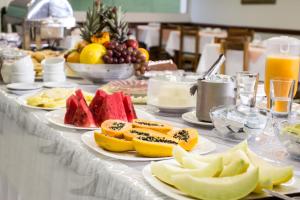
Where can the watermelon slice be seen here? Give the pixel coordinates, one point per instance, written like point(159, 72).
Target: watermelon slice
point(79, 95)
point(113, 108)
point(129, 109)
point(95, 105)
point(72, 105)
point(83, 116)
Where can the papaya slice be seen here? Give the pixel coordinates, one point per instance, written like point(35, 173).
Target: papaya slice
point(153, 125)
point(187, 137)
point(111, 143)
point(154, 146)
point(135, 132)
point(115, 128)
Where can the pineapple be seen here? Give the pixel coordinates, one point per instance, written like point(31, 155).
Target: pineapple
point(105, 19)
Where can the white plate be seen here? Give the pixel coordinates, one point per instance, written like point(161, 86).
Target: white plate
point(191, 118)
point(56, 117)
point(291, 187)
point(22, 92)
point(204, 146)
point(23, 101)
point(60, 85)
point(24, 86)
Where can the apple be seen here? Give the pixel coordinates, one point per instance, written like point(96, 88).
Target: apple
point(132, 43)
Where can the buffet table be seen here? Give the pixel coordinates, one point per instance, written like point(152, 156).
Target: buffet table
point(41, 161)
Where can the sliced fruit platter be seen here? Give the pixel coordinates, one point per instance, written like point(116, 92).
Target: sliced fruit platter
point(235, 174)
point(80, 114)
point(50, 99)
point(143, 140)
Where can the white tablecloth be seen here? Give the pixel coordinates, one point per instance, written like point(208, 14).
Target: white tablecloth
point(234, 60)
point(149, 35)
point(40, 161)
point(173, 42)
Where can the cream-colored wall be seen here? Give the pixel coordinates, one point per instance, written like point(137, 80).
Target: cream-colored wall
point(283, 15)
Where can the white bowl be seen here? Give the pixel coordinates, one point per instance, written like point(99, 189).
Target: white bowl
point(101, 73)
point(55, 64)
point(54, 77)
point(27, 77)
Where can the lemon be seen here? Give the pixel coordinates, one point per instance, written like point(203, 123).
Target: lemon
point(92, 54)
point(145, 53)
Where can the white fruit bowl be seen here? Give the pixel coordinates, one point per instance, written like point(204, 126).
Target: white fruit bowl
point(102, 73)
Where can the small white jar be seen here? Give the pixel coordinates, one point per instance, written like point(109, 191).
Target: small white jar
point(53, 65)
point(27, 77)
point(54, 77)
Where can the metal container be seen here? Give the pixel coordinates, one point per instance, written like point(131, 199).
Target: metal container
point(212, 93)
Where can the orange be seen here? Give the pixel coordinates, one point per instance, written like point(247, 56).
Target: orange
point(73, 57)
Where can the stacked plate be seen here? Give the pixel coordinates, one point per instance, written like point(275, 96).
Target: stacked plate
point(23, 88)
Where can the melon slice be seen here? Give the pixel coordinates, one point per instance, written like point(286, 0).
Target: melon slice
point(95, 106)
point(113, 108)
point(225, 188)
point(129, 109)
point(164, 171)
point(72, 105)
point(83, 116)
point(278, 175)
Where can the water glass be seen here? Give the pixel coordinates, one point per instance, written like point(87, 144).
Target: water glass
point(281, 97)
point(247, 83)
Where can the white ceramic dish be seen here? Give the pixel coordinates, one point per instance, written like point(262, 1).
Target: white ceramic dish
point(60, 85)
point(23, 65)
point(24, 86)
point(54, 77)
point(22, 92)
point(54, 64)
point(204, 146)
point(23, 101)
point(191, 117)
point(27, 77)
point(56, 117)
point(291, 187)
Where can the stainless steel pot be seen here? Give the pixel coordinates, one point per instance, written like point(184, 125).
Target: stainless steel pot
point(211, 94)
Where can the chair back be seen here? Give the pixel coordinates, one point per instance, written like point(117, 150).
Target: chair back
point(241, 32)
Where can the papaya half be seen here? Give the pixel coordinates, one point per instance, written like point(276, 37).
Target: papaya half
point(153, 125)
point(135, 132)
point(187, 137)
point(112, 144)
point(115, 128)
point(154, 146)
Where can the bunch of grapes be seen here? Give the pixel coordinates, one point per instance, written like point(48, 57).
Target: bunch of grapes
point(118, 53)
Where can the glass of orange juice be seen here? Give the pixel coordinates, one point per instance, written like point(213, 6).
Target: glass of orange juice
point(281, 97)
point(282, 61)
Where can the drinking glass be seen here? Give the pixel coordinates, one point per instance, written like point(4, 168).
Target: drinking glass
point(247, 83)
point(281, 97)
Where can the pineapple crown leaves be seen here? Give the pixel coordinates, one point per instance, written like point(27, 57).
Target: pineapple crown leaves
point(118, 26)
point(101, 18)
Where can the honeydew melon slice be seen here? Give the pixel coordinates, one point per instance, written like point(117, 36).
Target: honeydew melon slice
point(270, 175)
point(164, 171)
point(224, 188)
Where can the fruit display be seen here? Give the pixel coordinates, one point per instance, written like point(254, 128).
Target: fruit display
point(121, 136)
point(233, 174)
point(102, 107)
point(107, 40)
point(53, 98)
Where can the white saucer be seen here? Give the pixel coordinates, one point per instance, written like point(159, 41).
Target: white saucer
point(60, 85)
point(191, 118)
point(24, 86)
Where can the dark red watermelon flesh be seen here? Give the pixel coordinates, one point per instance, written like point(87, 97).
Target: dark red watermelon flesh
point(129, 109)
point(79, 95)
point(72, 105)
point(83, 116)
point(113, 108)
point(96, 104)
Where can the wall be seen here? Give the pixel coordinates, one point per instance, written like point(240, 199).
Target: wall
point(283, 15)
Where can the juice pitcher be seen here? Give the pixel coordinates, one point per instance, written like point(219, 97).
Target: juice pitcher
point(282, 61)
